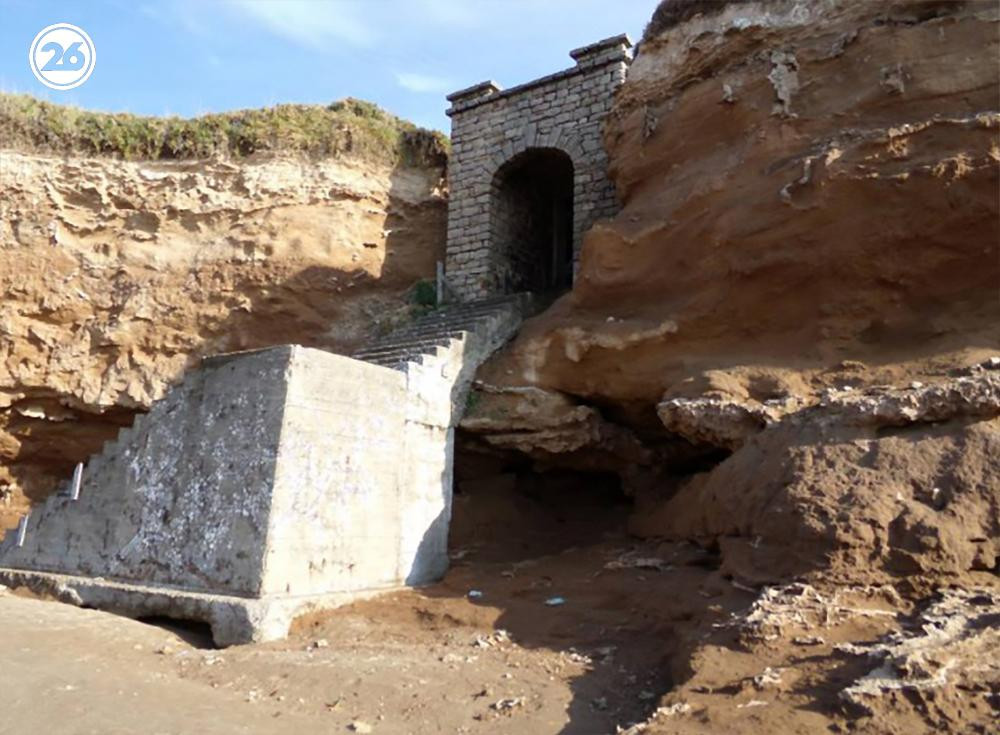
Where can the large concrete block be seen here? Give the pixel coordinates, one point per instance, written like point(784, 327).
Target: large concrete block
point(185, 501)
point(266, 484)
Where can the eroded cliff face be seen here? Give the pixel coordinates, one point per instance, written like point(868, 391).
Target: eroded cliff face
point(810, 202)
point(117, 276)
point(803, 183)
point(793, 329)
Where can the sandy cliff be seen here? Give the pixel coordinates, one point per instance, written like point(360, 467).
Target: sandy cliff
point(802, 184)
point(810, 202)
point(788, 342)
point(118, 275)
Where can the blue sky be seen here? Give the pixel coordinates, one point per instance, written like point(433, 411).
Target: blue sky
point(187, 57)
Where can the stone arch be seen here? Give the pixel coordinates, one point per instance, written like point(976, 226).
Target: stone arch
point(529, 140)
point(532, 199)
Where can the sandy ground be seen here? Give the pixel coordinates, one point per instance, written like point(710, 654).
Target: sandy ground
point(425, 661)
point(649, 637)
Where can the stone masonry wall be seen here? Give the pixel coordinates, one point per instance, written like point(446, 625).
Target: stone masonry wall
point(490, 126)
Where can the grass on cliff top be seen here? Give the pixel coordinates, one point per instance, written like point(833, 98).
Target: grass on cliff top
point(348, 128)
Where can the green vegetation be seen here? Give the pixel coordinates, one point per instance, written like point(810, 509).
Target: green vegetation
point(424, 293)
point(349, 128)
point(423, 299)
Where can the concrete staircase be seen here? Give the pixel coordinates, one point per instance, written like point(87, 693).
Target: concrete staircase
point(483, 326)
point(441, 351)
point(271, 482)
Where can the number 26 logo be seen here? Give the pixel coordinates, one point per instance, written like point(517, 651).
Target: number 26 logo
point(63, 59)
point(62, 56)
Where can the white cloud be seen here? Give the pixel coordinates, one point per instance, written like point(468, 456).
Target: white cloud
point(422, 82)
point(317, 25)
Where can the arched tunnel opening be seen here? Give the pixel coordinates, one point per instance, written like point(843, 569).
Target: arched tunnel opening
point(531, 221)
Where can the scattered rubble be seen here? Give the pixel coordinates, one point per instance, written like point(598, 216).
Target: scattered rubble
point(953, 642)
point(767, 678)
point(496, 638)
point(781, 610)
point(629, 560)
point(506, 705)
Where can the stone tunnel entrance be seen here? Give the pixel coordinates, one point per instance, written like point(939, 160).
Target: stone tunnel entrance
point(528, 175)
point(531, 221)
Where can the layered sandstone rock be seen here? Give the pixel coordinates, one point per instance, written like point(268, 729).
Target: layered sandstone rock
point(803, 183)
point(797, 316)
point(893, 482)
point(116, 276)
point(810, 207)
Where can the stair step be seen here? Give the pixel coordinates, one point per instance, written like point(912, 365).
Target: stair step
point(393, 361)
point(398, 362)
point(467, 324)
point(470, 312)
point(509, 299)
point(480, 308)
point(425, 336)
point(465, 314)
point(423, 345)
point(463, 311)
point(449, 333)
point(419, 341)
point(401, 351)
point(395, 356)
point(421, 336)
